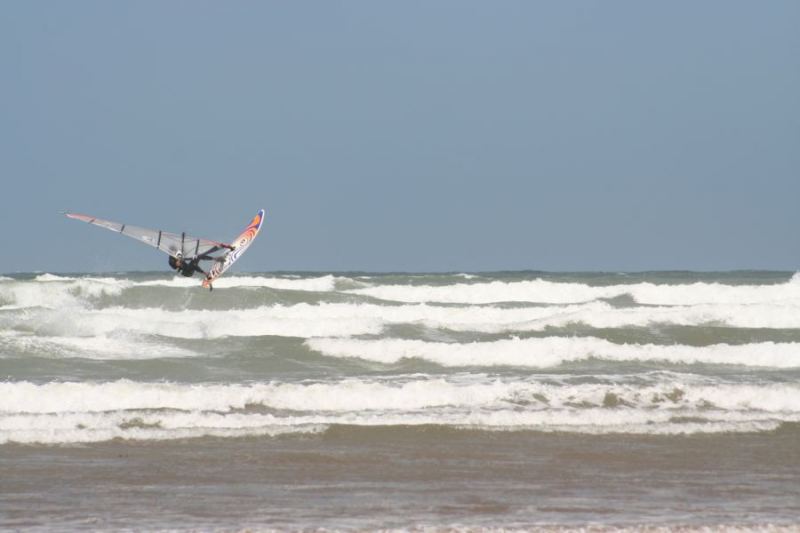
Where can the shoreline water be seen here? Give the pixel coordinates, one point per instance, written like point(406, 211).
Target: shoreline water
point(406, 478)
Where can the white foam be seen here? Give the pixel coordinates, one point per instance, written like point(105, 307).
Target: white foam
point(48, 290)
point(301, 320)
point(80, 428)
point(103, 347)
point(542, 291)
point(350, 394)
point(488, 319)
point(341, 319)
point(602, 315)
point(553, 351)
point(87, 412)
point(730, 401)
point(54, 292)
point(317, 284)
point(52, 277)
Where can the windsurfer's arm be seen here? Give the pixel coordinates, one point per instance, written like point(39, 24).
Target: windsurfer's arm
point(221, 246)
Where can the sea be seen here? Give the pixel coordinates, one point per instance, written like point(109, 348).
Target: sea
point(653, 401)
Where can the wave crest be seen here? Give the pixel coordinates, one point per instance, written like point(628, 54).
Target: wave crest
point(554, 351)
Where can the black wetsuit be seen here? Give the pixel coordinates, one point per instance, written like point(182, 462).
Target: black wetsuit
point(186, 268)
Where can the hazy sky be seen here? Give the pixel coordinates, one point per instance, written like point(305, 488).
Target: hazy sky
point(412, 136)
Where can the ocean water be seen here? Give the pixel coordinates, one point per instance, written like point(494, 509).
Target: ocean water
point(409, 401)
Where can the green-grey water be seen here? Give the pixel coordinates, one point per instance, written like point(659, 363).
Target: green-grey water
point(359, 400)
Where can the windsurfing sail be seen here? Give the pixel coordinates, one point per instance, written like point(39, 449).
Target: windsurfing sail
point(170, 243)
point(240, 245)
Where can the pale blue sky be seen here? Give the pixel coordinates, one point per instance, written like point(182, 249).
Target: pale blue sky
point(412, 136)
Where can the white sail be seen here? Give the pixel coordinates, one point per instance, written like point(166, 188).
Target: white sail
point(170, 243)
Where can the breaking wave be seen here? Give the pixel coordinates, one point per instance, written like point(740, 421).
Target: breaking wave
point(297, 354)
point(346, 320)
point(543, 291)
point(87, 412)
point(554, 351)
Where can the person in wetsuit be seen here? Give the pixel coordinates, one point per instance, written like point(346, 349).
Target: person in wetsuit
point(188, 268)
point(184, 267)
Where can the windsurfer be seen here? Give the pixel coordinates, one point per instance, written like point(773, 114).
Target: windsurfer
point(186, 268)
point(177, 244)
